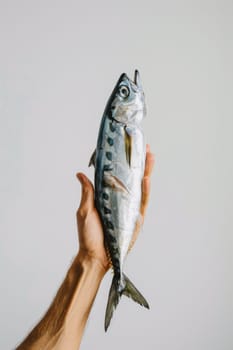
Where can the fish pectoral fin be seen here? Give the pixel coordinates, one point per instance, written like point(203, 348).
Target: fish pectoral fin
point(115, 183)
point(128, 145)
point(93, 158)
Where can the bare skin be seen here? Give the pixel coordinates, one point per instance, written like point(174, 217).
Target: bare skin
point(63, 325)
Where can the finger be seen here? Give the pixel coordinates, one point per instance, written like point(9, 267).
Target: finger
point(149, 164)
point(87, 198)
point(150, 161)
point(145, 194)
point(143, 207)
point(136, 232)
point(144, 204)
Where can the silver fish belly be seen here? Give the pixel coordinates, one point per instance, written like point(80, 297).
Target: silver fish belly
point(119, 166)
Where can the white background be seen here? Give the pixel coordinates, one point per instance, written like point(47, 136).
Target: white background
point(59, 61)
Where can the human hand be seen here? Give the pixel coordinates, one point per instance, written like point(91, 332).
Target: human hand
point(90, 230)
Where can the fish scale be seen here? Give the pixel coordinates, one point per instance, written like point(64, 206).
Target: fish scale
point(119, 161)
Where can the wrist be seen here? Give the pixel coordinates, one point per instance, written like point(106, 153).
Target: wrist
point(87, 260)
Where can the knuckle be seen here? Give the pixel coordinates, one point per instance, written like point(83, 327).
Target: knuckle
point(81, 213)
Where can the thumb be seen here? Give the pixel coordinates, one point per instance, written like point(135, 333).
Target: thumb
point(87, 198)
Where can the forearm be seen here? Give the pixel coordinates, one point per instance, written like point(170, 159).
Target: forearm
point(63, 324)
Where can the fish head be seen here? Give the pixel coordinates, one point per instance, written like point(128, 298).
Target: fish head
point(127, 102)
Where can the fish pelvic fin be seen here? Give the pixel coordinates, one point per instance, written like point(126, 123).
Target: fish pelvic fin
point(93, 159)
point(128, 146)
point(115, 294)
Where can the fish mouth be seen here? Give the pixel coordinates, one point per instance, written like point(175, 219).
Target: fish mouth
point(136, 76)
point(137, 79)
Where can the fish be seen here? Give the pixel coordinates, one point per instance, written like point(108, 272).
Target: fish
point(119, 161)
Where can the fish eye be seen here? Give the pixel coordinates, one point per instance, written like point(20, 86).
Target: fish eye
point(124, 91)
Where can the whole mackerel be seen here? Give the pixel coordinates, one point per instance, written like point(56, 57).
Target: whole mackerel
point(119, 161)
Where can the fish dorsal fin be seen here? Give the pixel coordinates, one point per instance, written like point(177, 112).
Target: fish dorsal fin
point(115, 183)
point(128, 144)
point(93, 158)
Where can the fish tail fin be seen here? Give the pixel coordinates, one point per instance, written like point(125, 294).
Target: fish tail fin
point(115, 294)
point(113, 300)
point(132, 292)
